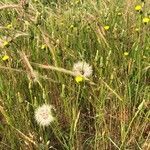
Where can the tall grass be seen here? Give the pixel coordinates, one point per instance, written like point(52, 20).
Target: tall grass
point(43, 39)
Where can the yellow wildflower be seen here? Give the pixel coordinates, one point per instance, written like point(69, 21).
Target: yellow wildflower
point(72, 26)
point(137, 29)
point(146, 20)
point(126, 53)
point(9, 26)
point(43, 46)
point(78, 79)
point(119, 14)
point(138, 7)
point(5, 43)
point(5, 57)
point(106, 27)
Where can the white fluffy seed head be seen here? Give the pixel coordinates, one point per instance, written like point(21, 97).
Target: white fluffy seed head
point(83, 68)
point(43, 115)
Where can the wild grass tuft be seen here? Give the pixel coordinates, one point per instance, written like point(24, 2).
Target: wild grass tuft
point(40, 42)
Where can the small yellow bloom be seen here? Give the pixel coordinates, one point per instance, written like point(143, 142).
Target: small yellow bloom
point(5, 43)
point(71, 26)
point(138, 7)
point(9, 26)
point(106, 27)
point(146, 19)
point(43, 46)
point(5, 57)
point(119, 14)
point(137, 29)
point(126, 53)
point(78, 79)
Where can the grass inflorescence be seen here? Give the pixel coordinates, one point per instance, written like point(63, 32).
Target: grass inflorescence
point(74, 75)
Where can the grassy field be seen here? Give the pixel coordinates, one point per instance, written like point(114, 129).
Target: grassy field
point(40, 43)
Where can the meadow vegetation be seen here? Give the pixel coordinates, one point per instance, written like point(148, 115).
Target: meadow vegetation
point(41, 40)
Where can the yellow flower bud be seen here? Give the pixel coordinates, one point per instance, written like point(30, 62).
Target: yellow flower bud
point(43, 46)
point(119, 14)
point(9, 26)
point(5, 43)
point(126, 53)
